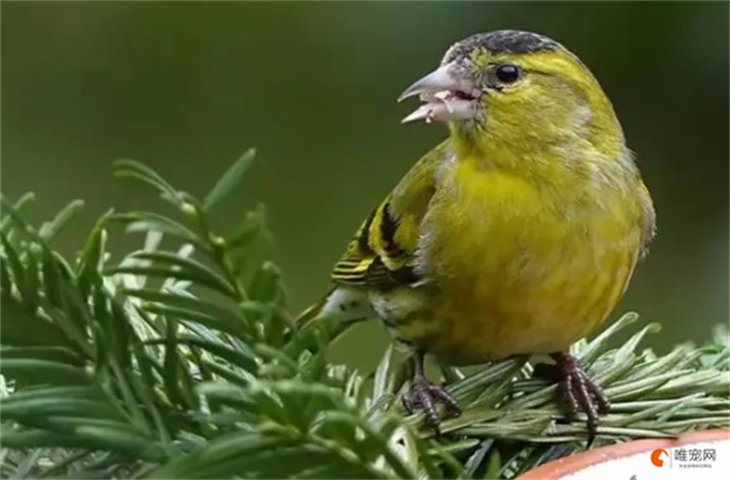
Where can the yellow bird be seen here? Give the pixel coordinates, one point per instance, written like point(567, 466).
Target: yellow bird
point(516, 235)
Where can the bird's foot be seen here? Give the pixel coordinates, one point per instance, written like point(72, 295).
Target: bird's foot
point(578, 392)
point(424, 396)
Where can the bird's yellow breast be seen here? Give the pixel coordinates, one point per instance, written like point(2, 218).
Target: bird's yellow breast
point(519, 267)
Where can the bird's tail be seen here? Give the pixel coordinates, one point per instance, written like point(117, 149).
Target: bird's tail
point(351, 303)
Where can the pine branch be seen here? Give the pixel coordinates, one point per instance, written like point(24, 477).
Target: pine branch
point(183, 361)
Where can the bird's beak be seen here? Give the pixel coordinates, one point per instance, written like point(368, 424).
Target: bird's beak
point(448, 95)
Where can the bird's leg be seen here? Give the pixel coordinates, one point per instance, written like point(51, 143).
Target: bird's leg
point(578, 392)
point(425, 395)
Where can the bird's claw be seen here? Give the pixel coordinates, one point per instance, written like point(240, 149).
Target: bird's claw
point(425, 395)
point(578, 392)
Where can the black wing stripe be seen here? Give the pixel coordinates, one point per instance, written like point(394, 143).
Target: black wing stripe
point(363, 240)
point(405, 276)
point(380, 276)
point(388, 227)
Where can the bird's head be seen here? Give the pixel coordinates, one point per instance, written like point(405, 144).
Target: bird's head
point(517, 88)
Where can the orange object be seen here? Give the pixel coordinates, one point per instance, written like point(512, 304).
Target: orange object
point(662, 456)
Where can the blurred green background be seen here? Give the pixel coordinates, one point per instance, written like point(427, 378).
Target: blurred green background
point(186, 87)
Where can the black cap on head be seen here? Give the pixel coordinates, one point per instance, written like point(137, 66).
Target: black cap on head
point(512, 41)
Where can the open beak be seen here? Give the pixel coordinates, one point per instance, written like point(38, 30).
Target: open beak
point(447, 93)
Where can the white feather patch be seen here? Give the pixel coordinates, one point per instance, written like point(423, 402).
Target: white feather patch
point(351, 301)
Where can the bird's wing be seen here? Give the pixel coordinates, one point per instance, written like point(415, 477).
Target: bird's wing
point(382, 252)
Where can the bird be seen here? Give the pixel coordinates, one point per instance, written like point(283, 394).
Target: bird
point(516, 235)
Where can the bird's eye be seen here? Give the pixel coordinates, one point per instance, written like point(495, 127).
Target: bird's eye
point(508, 73)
